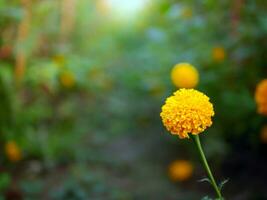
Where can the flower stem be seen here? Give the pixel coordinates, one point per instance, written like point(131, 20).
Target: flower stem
point(206, 165)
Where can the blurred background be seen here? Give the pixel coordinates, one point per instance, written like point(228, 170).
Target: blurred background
point(82, 83)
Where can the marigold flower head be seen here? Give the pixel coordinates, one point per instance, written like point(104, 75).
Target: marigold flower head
point(184, 75)
point(218, 53)
point(180, 170)
point(13, 151)
point(67, 79)
point(187, 111)
point(261, 97)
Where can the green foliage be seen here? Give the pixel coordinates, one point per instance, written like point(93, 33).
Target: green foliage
point(4, 181)
point(222, 184)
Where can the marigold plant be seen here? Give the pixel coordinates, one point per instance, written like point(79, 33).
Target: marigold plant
point(184, 75)
point(189, 111)
point(261, 97)
point(180, 170)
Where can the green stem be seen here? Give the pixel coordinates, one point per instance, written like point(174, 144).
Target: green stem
point(205, 162)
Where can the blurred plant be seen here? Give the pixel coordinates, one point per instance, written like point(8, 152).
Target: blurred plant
point(187, 12)
point(261, 97)
point(67, 79)
point(7, 107)
point(59, 60)
point(22, 36)
point(218, 53)
point(263, 134)
point(13, 151)
point(5, 51)
point(68, 16)
point(190, 111)
point(184, 75)
point(180, 170)
point(157, 90)
point(5, 180)
point(100, 79)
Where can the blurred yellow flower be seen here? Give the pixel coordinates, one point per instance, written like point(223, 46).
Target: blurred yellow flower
point(180, 170)
point(263, 135)
point(184, 75)
point(13, 151)
point(218, 53)
point(187, 111)
point(261, 97)
point(67, 79)
point(59, 60)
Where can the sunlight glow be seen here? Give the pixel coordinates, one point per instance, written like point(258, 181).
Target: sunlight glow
point(125, 9)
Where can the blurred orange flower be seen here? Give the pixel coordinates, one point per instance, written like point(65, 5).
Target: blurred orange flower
point(184, 75)
point(187, 111)
point(13, 151)
point(261, 97)
point(218, 53)
point(67, 79)
point(180, 170)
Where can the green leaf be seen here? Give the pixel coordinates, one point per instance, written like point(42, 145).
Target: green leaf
point(223, 183)
point(206, 198)
point(4, 181)
point(204, 180)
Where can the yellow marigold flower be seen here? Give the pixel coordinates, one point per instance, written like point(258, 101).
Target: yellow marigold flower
point(263, 135)
point(218, 53)
point(67, 79)
point(187, 111)
point(180, 170)
point(261, 97)
point(13, 151)
point(184, 75)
